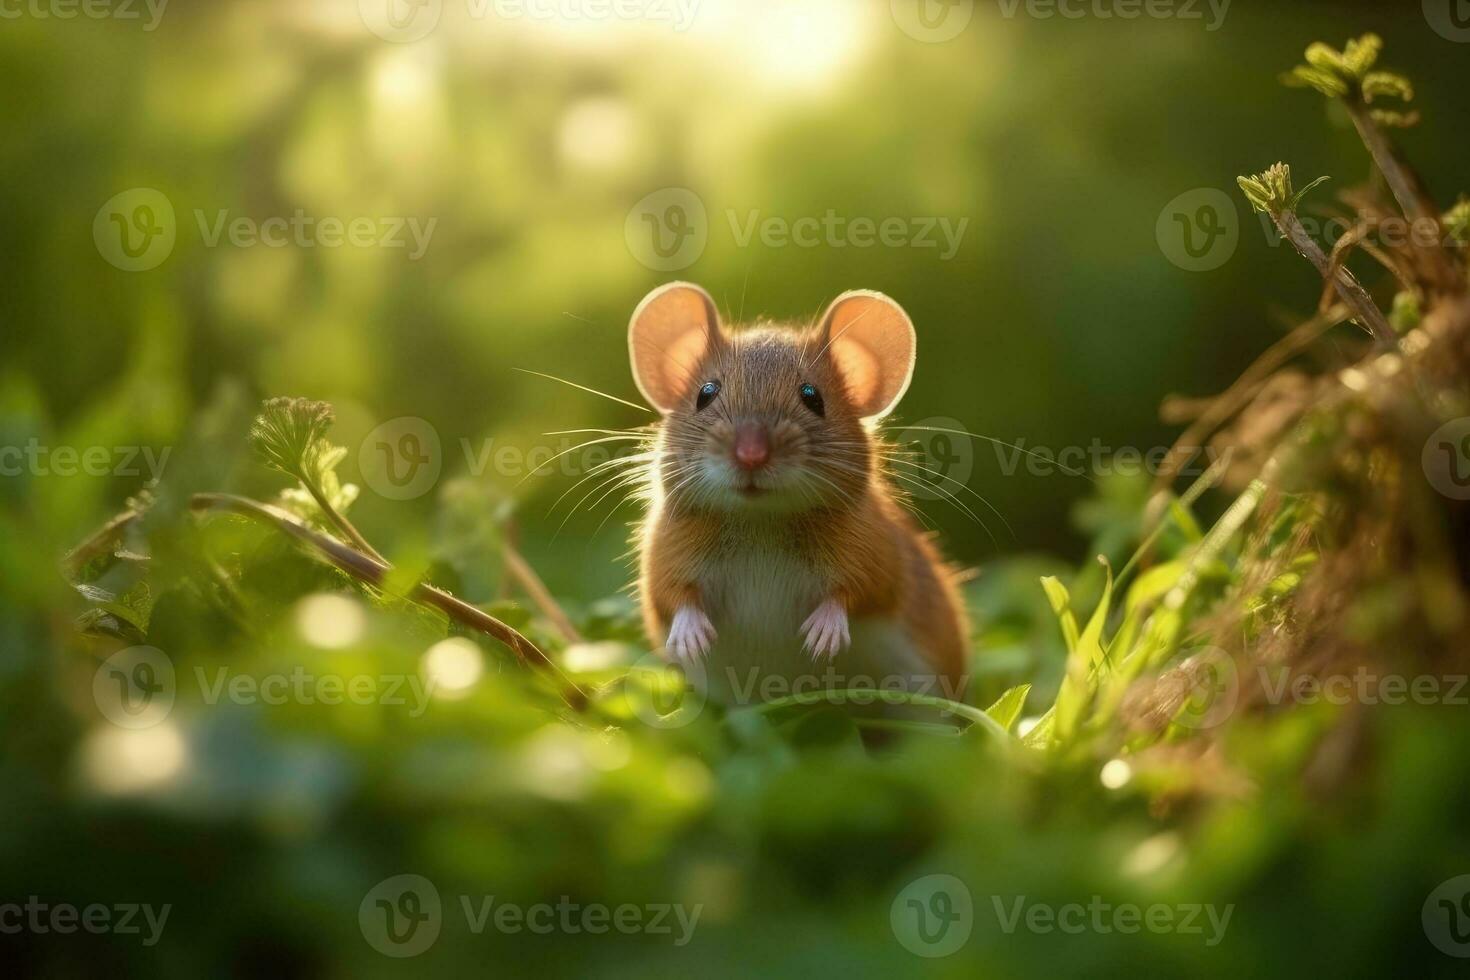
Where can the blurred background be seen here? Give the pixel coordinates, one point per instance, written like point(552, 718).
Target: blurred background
point(530, 151)
point(410, 208)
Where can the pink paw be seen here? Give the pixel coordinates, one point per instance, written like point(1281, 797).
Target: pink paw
point(826, 629)
point(690, 634)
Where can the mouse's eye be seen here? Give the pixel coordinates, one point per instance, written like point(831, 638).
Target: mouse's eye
point(812, 398)
point(707, 393)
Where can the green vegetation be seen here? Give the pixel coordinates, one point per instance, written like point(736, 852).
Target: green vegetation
point(1142, 731)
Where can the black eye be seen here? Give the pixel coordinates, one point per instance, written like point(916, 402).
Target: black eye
point(707, 393)
point(812, 398)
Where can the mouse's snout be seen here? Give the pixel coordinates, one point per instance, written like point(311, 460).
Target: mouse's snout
point(752, 445)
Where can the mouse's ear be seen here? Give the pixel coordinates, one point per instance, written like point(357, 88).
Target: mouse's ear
point(670, 333)
point(871, 341)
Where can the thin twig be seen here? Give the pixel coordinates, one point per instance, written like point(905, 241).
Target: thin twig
point(340, 522)
point(374, 572)
point(526, 577)
point(1416, 203)
point(1364, 310)
point(1218, 410)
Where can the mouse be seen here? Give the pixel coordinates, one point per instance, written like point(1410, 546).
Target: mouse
point(775, 554)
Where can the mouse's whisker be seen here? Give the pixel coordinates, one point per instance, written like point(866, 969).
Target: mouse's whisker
point(564, 452)
point(639, 463)
point(999, 442)
point(962, 485)
point(580, 387)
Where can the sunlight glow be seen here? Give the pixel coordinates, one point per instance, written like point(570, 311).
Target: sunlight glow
point(452, 667)
point(596, 134)
point(132, 760)
point(329, 621)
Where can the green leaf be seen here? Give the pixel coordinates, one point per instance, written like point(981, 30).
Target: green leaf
point(1078, 682)
point(1386, 83)
point(1007, 708)
point(1061, 602)
point(290, 434)
point(1271, 190)
point(1456, 221)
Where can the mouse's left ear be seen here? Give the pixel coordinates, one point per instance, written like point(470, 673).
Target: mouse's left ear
point(871, 340)
point(671, 332)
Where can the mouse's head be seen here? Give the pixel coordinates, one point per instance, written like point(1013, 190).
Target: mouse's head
point(768, 418)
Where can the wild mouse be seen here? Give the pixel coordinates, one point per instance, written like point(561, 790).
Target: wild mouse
point(774, 546)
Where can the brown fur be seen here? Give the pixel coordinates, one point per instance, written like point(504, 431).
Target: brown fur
point(844, 519)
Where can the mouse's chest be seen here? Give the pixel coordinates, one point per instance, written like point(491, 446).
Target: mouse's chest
point(757, 587)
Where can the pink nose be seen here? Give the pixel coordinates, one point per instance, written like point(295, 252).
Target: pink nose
point(752, 446)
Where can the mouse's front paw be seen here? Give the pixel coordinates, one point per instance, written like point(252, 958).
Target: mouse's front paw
point(825, 630)
point(690, 634)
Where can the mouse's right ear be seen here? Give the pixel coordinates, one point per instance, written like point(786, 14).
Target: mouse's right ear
point(672, 330)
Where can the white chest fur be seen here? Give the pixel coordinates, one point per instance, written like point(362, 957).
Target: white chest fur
point(757, 596)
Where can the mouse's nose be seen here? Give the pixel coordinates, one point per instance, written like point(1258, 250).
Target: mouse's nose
point(752, 446)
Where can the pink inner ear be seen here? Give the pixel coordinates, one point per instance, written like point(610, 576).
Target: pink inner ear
point(679, 368)
point(861, 373)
